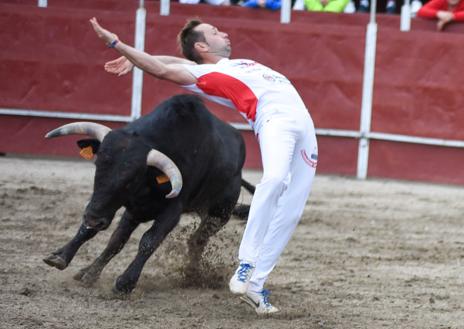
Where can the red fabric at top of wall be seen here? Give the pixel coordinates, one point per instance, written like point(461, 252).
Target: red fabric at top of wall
point(418, 84)
point(54, 61)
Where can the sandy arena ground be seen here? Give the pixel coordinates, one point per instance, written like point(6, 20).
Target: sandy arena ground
point(372, 254)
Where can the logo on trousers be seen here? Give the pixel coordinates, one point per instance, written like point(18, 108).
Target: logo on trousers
point(310, 161)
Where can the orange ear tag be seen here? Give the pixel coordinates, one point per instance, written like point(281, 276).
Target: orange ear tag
point(86, 153)
point(162, 179)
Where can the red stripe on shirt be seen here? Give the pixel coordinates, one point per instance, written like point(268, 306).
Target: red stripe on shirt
point(223, 85)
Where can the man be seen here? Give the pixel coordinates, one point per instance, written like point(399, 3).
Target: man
point(280, 121)
point(445, 11)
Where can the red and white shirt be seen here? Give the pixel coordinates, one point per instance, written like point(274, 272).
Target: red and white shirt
point(253, 89)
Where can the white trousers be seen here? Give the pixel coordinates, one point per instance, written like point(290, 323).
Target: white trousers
point(289, 157)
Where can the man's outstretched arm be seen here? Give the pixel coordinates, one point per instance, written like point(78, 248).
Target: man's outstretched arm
point(122, 65)
point(173, 60)
point(176, 73)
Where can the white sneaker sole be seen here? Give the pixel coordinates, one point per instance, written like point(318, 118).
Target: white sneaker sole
point(250, 302)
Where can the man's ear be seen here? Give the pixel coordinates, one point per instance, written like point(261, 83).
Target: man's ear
point(89, 147)
point(201, 46)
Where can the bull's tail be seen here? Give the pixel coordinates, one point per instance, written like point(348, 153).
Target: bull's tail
point(241, 211)
point(248, 186)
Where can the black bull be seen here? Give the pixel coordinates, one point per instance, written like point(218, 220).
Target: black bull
point(177, 159)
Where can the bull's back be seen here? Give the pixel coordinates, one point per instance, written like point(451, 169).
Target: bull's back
point(197, 141)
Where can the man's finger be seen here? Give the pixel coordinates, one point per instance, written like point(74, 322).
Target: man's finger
point(440, 25)
point(96, 26)
point(94, 21)
point(114, 61)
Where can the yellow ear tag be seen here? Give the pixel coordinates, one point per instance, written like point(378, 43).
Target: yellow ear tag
point(86, 153)
point(162, 179)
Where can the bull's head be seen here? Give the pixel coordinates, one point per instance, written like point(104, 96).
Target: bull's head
point(117, 173)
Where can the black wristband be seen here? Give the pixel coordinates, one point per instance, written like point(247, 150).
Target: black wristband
point(113, 43)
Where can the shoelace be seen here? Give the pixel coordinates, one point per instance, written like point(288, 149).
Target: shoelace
point(244, 271)
point(265, 293)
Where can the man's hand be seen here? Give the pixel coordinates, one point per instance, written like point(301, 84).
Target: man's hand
point(175, 73)
point(103, 34)
point(119, 66)
point(444, 17)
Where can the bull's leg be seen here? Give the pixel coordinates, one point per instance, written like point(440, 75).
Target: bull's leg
point(63, 256)
point(150, 241)
point(218, 215)
point(120, 236)
point(209, 226)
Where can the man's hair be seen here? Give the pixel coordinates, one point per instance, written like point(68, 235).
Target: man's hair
point(187, 38)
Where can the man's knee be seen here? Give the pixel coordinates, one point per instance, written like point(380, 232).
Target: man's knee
point(277, 183)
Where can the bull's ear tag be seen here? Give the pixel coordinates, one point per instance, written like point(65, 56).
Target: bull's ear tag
point(86, 152)
point(162, 179)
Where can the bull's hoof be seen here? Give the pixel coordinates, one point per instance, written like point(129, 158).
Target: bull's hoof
point(86, 276)
point(120, 294)
point(56, 261)
point(122, 288)
point(191, 271)
point(192, 276)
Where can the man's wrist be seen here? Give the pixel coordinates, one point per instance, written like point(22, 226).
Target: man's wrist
point(113, 43)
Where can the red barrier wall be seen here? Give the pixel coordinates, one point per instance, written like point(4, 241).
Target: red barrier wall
point(53, 62)
point(52, 57)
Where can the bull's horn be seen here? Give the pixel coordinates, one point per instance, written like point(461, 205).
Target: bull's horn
point(91, 129)
point(162, 162)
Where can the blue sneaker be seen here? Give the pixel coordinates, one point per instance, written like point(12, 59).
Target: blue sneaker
point(239, 282)
point(260, 302)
